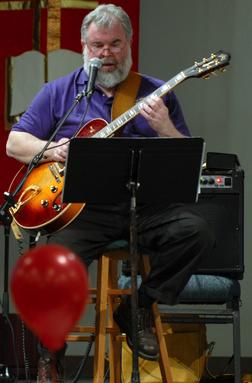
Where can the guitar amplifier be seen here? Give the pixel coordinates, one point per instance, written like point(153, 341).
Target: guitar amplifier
point(221, 202)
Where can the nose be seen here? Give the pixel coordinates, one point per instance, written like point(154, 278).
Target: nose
point(106, 52)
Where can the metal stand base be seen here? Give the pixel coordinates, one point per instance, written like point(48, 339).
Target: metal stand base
point(5, 375)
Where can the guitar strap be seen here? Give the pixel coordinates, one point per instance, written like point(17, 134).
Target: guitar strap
point(125, 95)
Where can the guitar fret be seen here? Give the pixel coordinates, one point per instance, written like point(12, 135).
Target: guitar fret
point(102, 134)
point(165, 88)
point(116, 123)
point(131, 113)
point(139, 106)
point(109, 129)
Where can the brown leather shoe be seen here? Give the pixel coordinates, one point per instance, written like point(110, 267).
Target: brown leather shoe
point(49, 371)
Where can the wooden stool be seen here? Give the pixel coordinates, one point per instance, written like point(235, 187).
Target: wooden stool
point(106, 296)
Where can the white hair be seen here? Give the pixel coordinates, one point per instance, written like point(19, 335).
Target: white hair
point(106, 15)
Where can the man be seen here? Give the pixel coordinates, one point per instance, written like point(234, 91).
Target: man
point(174, 237)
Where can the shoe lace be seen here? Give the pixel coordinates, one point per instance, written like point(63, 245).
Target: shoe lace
point(145, 319)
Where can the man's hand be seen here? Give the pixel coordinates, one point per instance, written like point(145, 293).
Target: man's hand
point(60, 153)
point(157, 114)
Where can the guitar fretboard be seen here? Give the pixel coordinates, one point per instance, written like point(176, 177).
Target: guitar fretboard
point(116, 124)
point(216, 61)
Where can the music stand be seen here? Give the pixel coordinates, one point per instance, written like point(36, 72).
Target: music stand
point(137, 170)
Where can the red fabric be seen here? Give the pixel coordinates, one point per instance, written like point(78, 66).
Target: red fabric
point(16, 36)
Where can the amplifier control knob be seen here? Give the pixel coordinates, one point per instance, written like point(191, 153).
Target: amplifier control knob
point(203, 181)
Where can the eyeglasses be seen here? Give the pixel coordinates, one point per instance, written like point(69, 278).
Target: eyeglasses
point(99, 48)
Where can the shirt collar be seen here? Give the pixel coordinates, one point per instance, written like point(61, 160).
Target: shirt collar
point(81, 77)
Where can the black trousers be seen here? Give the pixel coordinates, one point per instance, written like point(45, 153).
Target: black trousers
point(175, 237)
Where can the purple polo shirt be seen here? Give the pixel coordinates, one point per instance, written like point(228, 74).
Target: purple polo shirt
point(56, 97)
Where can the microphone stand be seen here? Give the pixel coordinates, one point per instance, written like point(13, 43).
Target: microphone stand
point(6, 219)
point(5, 374)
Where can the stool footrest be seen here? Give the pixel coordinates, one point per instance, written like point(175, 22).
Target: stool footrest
point(79, 338)
point(92, 330)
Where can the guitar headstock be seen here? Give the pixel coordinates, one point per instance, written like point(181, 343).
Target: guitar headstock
point(216, 61)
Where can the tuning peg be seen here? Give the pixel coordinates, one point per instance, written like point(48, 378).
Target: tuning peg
point(223, 70)
point(206, 77)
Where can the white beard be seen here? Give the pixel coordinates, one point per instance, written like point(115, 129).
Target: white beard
point(109, 79)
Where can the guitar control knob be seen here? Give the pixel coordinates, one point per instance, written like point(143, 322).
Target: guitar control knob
point(57, 207)
point(44, 202)
point(53, 189)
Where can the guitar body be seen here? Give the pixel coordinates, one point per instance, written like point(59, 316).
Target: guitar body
point(39, 206)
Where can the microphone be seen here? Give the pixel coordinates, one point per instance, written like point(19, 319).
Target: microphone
point(94, 65)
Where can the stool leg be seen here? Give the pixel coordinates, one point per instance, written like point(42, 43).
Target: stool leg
point(164, 362)
point(237, 346)
point(100, 321)
point(114, 344)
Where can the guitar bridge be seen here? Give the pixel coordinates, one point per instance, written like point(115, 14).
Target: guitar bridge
point(57, 171)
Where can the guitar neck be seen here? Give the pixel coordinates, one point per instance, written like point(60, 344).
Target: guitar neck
point(116, 124)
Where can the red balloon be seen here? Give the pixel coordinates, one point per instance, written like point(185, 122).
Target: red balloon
point(49, 286)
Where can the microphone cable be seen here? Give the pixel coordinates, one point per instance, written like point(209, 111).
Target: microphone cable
point(25, 357)
point(83, 361)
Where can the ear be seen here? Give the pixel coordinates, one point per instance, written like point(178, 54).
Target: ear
point(83, 45)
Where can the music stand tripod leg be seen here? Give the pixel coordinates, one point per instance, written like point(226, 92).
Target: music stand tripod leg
point(133, 185)
point(134, 295)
